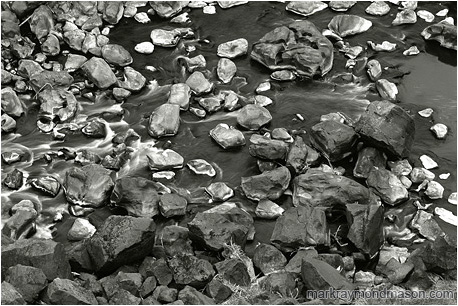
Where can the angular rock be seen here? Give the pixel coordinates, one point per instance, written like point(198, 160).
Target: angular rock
point(112, 11)
point(334, 139)
point(76, 39)
point(306, 8)
point(8, 124)
point(148, 286)
point(227, 137)
point(10, 295)
point(233, 271)
point(443, 32)
point(195, 62)
point(387, 186)
point(80, 230)
point(341, 6)
point(67, 292)
point(266, 148)
point(210, 104)
point(219, 191)
point(180, 94)
point(190, 296)
point(171, 205)
point(226, 70)
point(418, 175)
point(366, 227)
point(133, 80)
point(401, 167)
point(218, 291)
point(98, 72)
point(233, 48)
point(318, 275)
point(175, 240)
point(164, 160)
point(29, 281)
point(427, 162)
point(190, 270)
point(367, 159)
point(297, 155)
point(164, 121)
point(397, 272)
point(21, 224)
point(346, 25)
point(300, 227)
point(201, 167)
point(268, 259)
point(374, 69)
point(268, 185)
point(11, 104)
point(47, 184)
point(267, 209)
point(426, 225)
point(280, 282)
point(198, 83)
point(165, 295)
point(124, 297)
point(253, 117)
point(387, 126)
point(384, 46)
point(434, 190)
point(406, 16)
point(14, 180)
point(283, 75)
point(386, 89)
point(121, 240)
point(169, 38)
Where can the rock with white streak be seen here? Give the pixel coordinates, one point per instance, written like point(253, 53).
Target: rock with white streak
point(426, 113)
point(435, 190)
point(201, 166)
point(306, 8)
point(440, 130)
point(411, 51)
point(428, 162)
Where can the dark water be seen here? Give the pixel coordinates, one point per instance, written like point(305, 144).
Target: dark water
point(431, 82)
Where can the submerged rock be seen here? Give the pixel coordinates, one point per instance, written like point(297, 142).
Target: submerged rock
point(268, 185)
point(227, 137)
point(440, 130)
point(306, 8)
point(443, 32)
point(164, 121)
point(253, 116)
point(346, 25)
point(387, 186)
point(233, 48)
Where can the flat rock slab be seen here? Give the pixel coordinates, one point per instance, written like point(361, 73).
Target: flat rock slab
point(233, 48)
point(346, 25)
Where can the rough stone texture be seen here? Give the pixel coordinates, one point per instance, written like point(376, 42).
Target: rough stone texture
point(171, 205)
point(219, 191)
point(367, 159)
point(268, 258)
point(318, 275)
point(190, 296)
point(121, 240)
point(133, 80)
point(418, 175)
point(90, 185)
point(139, 196)
point(124, 297)
point(426, 225)
point(443, 32)
point(226, 70)
point(112, 11)
point(180, 94)
point(81, 229)
point(175, 240)
point(47, 255)
point(267, 209)
point(253, 116)
point(267, 185)
point(387, 186)
point(297, 155)
point(67, 292)
point(405, 16)
point(346, 25)
point(20, 224)
point(266, 148)
point(401, 167)
point(333, 139)
point(164, 121)
point(318, 188)
point(190, 270)
point(365, 227)
point(306, 8)
point(29, 281)
point(10, 295)
point(300, 227)
point(11, 103)
point(281, 282)
point(233, 271)
point(14, 179)
point(218, 291)
point(98, 72)
point(387, 126)
point(313, 55)
point(439, 256)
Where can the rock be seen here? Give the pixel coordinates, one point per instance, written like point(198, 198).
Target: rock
point(233, 48)
point(440, 130)
point(124, 297)
point(435, 190)
point(386, 89)
point(11, 296)
point(211, 104)
point(191, 296)
point(218, 291)
point(74, 62)
point(144, 47)
point(401, 167)
point(411, 51)
point(387, 186)
point(21, 47)
point(443, 32)
point(418, 175)
point(219, 191)
point(164, 121)
point(442, 13)
point(130, 282)
point(200, 166)
point(341, 6)
point(90, 185)
point(397, 272)
point(439, 255)
point(195, 62)
point(366, 227)
point(444, 176)
point(133, 80)
point(281, 283)
point(233, 271)
point(364, 279)
point(446, 216)
point(14, 179)
point(266, 148)
point(116, 55)
point(8, 124)
point(253, 117)
point(452, 199)
point(164, 160)
point(96, 128)
point(318, 275)
point(67, 292)
point(427, 162)
point(198, 83)
point(426, 113)
point(267, 209)
point(395, 128)
point(148, 286)
point(226, 70)
point(384, 46)
point(11, 104)
point(367, 159)
point(168, 38)
point(75, 39)
point(47, 255)
point(28, 68)
point(98, 72)
point(172, 205)
point(264, 86)
point(268, 185)
point(306, 8)
point(313, 55)
point(190, 270)
point(121, 94)
point(334, 139)
point(268, 259)
point(214, 230)
point(10, 157)
point(406, 16)
point(346, 25)
point(182, 18)
point(378, 8)
point(299, 227)
point(262, 100)
point(167, 9)
point(121, 240)
point(56, 106)
point(112, 11)
point(180, 94)
point(47, 184)
point(29, 281)
point(21, 224)
point(426, 225)
point(227, 137)
point(175, 240)
point(81, 229)
point(425, 15)
point(297, 155)
point(318, 188)
point(165, 294)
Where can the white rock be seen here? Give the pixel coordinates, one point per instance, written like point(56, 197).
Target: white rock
point(442, 13)
point(444, 176)
point(182, 18)
point(386, 89)
point(446, 215)
point(434, 191)
point(144, 47)
point(106, 31)
point(168, 175)
point(428, 162)
point(262, 100)
point(449, 20)
point(209, 9)
point(151, 68)
point(427, 112)
point(197, 4)
point(384, 46)
point(405, 181)
point(81, 229)
point(264, 86)
point(200, 166)
point(419, 174)
point(453, 198)
point(409, 4)
point(142, 17)
point(411, 51)
point(300, 117)
point(425, 15)
point(268, 210)
point(130, 11)
point(440, 130)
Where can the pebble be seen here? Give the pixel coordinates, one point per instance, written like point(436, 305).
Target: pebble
point(384, 46)
point(168, 175)
point(426, 113)
point(411, 51)
point(300, 117)
point(440, 130)
point(444, 176)
point(434, 191)
point(453, 198)
point(442, 13)
point(209, 9)
point(144, 47)
point(106, 31)
point(200, 166)
point(264, 86)
point(182, 18)
point(142, 17)
point(428, 162)
point(151, 68)
point(425, 15)
point(446, 215)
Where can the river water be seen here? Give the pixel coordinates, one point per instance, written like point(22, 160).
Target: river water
point(430, 82)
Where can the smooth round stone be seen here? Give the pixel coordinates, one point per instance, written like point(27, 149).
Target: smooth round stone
point(434, 191)
point(406, 16)
point(378, 8)
point(200, 166)
point(198, 112)
point(428, 162)
point(384, 46)
point(346, 25)
point(283, 75)
point(374, 69)
point(226, 70)
point(442, 13)
point(440, 130)
point(233, 48)
point(142, 17)
point(306, 8)
point(426, 113)
point(209, 9)
point(425, 15)
point(81, 229)
point(130, 11)
point(453, 198)
point(253, 116)
point(262, 100)
point(267, 209)
point(219, 191)
point(144, 47)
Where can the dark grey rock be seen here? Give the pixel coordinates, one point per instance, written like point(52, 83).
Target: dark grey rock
point(29, 281)
point(268, 258)
point(268, 185)
point(190, 270)
point(67, 292)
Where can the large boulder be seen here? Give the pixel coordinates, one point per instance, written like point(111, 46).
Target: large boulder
point(300, 227)
point(190, 270)
point(99, 72)
point(366, 227)
point(253, 116)
point(47, 255)
point(227, 137)
point(29, 281)
point(266, 148)
point(90, 185)
point(121, 240)
point(164, 121)
point(139, 196)
point(368, 158)
point(116, 55)
point(67, 292)
point(318, 188)
point(334, 139)
point(443, 32)
point(346, 25)
point(387, 126)
point(299, 47)
point(387, 185)
point(267, 185)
